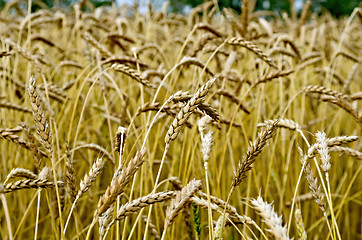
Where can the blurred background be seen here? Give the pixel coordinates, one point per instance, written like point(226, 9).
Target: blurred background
point(337, 8)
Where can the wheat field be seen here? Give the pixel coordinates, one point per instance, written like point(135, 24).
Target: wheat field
point(211, 125)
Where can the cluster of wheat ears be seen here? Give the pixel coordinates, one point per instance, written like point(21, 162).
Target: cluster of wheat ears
point(209, 125)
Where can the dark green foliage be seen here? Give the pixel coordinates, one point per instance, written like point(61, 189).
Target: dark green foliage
point(273, 5)
point(339, 8)
point(98, 3)
point(178, 6)
point(336, 7)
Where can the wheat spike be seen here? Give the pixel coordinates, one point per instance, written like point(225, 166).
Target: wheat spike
point(70, 174)
point(299, 224)
point(270, 76)
point(20, 173)
point(30, 183)
point(90, 177)
point(41, 122)
point(5, 104)
point(325, 91)
point(348, 151)
point(119, 182)
point(252, 47)
point(253, 151)
point(271, 219)
point(139, 203)
point(85, 185)
point(186, 111)
point(282, 123)
point(132, 73)
point(313, 181)
point(181, 199)
point(105, 220)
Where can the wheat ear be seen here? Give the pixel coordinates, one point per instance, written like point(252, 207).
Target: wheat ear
point(85, 184)
point(133, 207)
point(42, 125)
point(253, 151)
point(356, 113)
point(313, 181)
point(347, 151)
point(325, 91)
point(137, 204)
point(300, 225)
point(132, 73)
point(252, 47)
point(29, 183)
point(20, 173)
point(271, 219)
point(282, 123)
point(90, 39)
point(9, 105)
point(21, 142)
point(244, 17)
point(186, 111)
point(119, 183)
point(70, 174)
point(180, 201)
point(105, 220)
point(233, 98)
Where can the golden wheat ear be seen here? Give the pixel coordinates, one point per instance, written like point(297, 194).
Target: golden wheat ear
point(253, 151)
point(180, 201)
point(42, 124)
point(119, 182)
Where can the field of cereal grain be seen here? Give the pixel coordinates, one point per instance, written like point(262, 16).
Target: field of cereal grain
point(210, 125)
